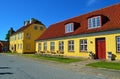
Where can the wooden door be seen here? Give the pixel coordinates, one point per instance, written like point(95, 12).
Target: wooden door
point(101, 48)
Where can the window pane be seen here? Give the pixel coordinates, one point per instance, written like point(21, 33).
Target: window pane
point(98, 21)
point(41, 28)
point(72, 47)
point(69, 27)
point(35, 27)
point(81, 41)
point(83, 45)
point(89, 23)
point(94, 22)
point(118, 39)
point(81, 48)
point(85, 48)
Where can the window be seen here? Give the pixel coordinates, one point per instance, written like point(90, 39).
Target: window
point(118, 44)
point(28, 47)
point(61, 46)
point(71, 45)
point(20, 46)
point(45, 46)
point(20, 36)
point(94, 22)
point(28, 35)
point(52, 46)
point(69, 27)
point(83, 45)
point(39, 46)
point(41, 28)
point(35, 27)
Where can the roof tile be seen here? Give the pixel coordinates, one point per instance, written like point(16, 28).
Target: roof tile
point(112, 16)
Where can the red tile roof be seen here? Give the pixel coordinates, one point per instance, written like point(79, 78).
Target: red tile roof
point(110, 18)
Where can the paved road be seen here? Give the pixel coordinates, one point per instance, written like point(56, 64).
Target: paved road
point(14, 67)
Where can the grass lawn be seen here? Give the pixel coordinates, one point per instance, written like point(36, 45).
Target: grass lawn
point(55, 58)
point(103, 64)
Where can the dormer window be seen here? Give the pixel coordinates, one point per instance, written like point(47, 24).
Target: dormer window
point(69, 27)
point(94, 22)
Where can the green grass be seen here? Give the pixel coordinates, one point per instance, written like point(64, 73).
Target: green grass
point(55, 58)
point(103, 64)
point(52, 58)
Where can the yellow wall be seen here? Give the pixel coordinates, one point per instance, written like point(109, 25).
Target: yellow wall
point(91, 45)
point(14, 40)
point(34, 34)
point(25, 41)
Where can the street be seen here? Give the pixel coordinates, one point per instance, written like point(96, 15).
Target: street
point(14, 67)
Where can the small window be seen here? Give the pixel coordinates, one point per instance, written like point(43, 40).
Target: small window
point(94, 22)
point(83, 45)
point(45, 46)
point(52, 46)
point(28, 46)
point(35, 27)
point(20, 46)
point(69, 27)
point(41, 28)
point(71, 45)
point(39, 46)
point(61, 46)
point(28, 35)
point(118, 44)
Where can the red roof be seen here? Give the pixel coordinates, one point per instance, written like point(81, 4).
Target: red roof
point(110, 21)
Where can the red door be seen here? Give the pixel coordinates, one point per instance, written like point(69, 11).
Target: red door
point(14, 47)
point(0, 48)
point(101, 48)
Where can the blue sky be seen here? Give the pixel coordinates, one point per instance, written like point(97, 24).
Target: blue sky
point(14, 12)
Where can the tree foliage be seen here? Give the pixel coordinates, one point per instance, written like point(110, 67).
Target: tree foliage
point(10, 32)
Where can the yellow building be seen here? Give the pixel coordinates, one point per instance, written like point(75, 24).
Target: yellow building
point(95, 34)
point(23, 40)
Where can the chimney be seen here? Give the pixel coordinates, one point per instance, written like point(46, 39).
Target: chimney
point(26, 23)
point(32, 20)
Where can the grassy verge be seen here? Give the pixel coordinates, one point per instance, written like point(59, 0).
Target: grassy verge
point(103, 64)
point(55, 58)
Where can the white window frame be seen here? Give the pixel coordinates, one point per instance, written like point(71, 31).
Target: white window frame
point(52, 46)
point(117, 43)
point(69, 27)
point(61, 45)
point(45, 46)
point(83, 43)
point(71, 45)
point(97, 20)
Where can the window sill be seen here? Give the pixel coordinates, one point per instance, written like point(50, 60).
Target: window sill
point(71, 51)
point(83, 51)
point(117, 52)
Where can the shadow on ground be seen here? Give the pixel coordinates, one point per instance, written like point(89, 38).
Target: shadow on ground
point(6, 73)
point(4, 67)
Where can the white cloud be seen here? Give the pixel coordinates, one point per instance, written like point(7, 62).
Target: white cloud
point(90, 2)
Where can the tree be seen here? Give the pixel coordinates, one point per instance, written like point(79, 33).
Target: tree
point(10, 32)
